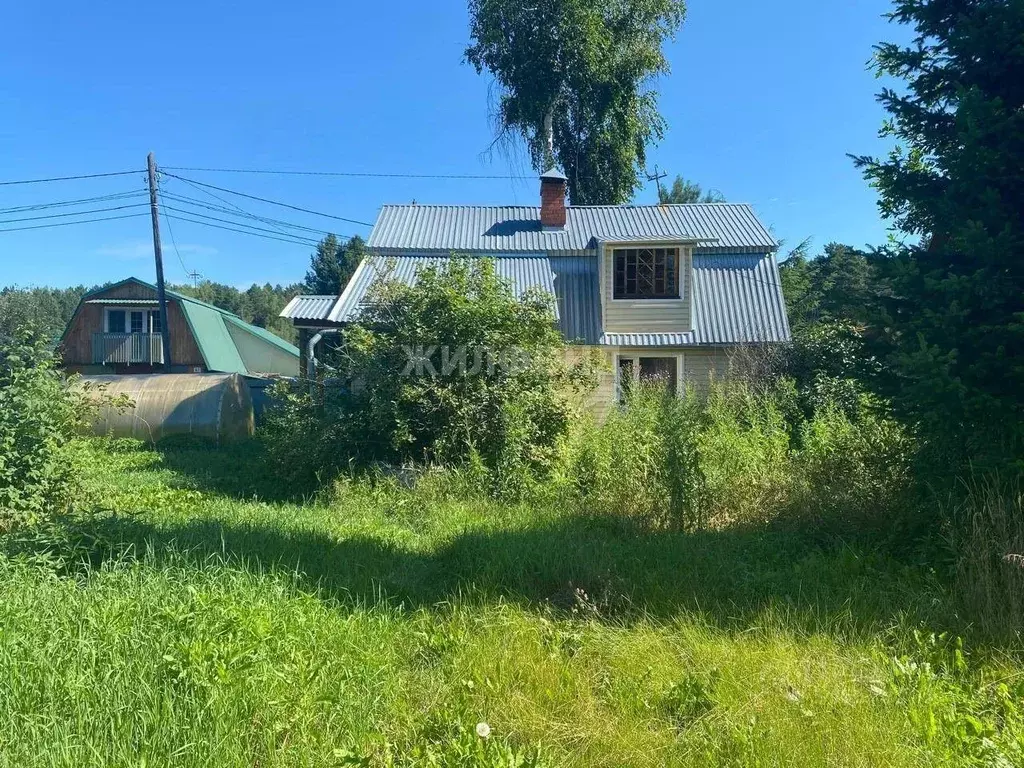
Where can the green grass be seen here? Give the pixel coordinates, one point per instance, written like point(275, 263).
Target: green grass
point(184, 622)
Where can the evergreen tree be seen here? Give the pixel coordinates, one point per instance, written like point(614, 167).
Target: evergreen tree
point(332, 265)
point(953, 328)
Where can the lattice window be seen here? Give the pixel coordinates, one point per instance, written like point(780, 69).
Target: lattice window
point(646, 273)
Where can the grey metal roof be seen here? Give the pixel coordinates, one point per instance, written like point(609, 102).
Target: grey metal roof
point(522, 270)
point(737, 298)
point(647, 339)
point(725, 228)
point(309, 308)
point(578, 296)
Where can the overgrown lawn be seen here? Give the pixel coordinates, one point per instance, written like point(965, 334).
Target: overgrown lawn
point(197, 616)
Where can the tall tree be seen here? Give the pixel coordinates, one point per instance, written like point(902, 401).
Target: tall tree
point(954, 327)
point(332, 265)
point(575, 81)
point(683, 191)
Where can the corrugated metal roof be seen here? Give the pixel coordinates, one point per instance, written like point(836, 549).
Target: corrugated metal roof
point(647, 339)
point(523, 271)
point(309, 308)
point(725, 227)
point(737, 298)
point(579, 298)
point(124, 302)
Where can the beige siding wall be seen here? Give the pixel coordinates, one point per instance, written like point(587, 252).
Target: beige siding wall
point(261, 356)
point(646, 316)
point(699, 366)
point(706, 363)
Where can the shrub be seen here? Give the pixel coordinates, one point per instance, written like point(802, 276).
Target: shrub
point(38, 418)
point(853, 476)
point(452, 369)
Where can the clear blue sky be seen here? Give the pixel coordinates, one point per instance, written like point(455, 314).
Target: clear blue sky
point(764, 102)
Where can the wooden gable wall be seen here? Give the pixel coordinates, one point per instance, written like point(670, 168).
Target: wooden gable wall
point(76, 349)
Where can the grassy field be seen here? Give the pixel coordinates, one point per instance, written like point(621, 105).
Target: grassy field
point(198, 617)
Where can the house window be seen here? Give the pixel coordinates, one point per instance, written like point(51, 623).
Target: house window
point(646, 273)
point(659, 370)
point(137, 322)
point(154, 321)
point(649, 370)
point(116, 321)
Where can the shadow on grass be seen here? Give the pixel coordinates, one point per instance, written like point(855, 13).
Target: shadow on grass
point(239, 471)
point(605, 568)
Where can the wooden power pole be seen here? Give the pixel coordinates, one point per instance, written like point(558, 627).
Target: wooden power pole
point(165, 330)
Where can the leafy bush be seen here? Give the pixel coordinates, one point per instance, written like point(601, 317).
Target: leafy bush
point(852, 475)
point(453, 369)
point(38, 417)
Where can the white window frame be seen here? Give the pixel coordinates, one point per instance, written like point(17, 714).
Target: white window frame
point(635, 355)
point(147, 326)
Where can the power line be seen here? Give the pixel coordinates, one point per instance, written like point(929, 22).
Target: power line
point(352, 174)
point(273, 202)
point(68, 178)
point(65, 203)
point(241, 213)
point(73, 213)
point(70, 223)
point(170, 231)
point(239, 224)
point(305, 243)
point(226, 202)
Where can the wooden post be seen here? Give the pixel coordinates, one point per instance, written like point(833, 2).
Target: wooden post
point(165, 329)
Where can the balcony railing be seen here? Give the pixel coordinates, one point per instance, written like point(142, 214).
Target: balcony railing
point(126, 348)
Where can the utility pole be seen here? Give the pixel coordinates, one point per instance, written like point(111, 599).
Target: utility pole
point(194, 276)
point(656, 178)
point(159, 256)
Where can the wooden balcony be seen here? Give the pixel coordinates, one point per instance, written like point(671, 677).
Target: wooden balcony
point(127, 348)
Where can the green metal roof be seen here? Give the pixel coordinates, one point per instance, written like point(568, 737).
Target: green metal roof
point(208, 325)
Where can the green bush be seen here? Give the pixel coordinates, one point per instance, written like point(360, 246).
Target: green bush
point(409, 402)
point(38, 418)
point(853, 476)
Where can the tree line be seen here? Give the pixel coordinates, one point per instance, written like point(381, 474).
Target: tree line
point(49, 310)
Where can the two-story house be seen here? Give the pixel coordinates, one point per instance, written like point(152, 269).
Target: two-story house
point(661, 290)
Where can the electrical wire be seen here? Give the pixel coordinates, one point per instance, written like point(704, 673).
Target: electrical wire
point(65, 203)
point(237, 223)
point(350, 174)
point(229, 203)
point(305, 243)
point(73, 213)
point(230, 212)
point(170, 232)
point(70, 178)
point(271, 202)
point(70, 223)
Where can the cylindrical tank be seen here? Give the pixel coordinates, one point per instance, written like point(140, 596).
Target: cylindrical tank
point(215, 406)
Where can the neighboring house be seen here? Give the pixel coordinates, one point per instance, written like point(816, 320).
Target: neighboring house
point(661, 290)
point(116, 330)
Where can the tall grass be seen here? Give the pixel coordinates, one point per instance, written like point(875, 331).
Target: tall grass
point(732, 454)
point(985, 533)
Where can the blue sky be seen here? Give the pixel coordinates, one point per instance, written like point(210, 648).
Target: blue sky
point(764, 102)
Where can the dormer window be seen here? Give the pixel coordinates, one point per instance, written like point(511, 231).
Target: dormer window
point(646, 273)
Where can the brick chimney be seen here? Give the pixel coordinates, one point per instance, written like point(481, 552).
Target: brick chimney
point(552, 200)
